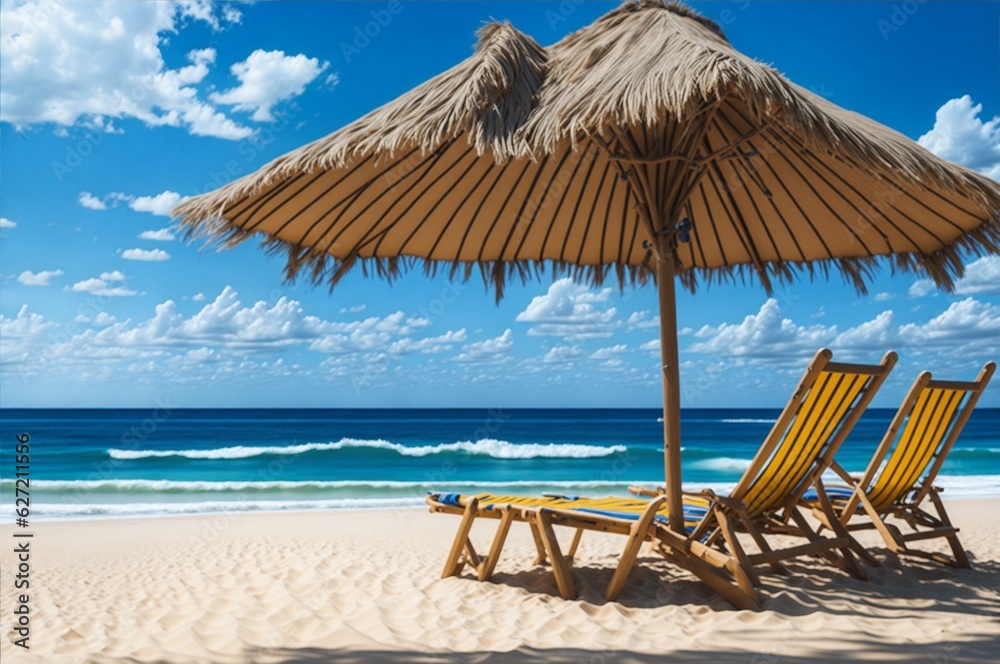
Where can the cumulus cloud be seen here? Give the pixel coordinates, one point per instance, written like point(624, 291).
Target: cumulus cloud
point(38, 278)
point(91, 202)
point(145, 255)
point(109, 284)
point(266, 78)
point(609, 352)
point(641, 320)
point(427, 345)
point(108, 66)
point(490, 351)
point(982, 276)
point(570, 310)
point(161, 235)
point(562, 354)
point(921, 288)
point(25, 325)
point(7, 223)
point(764, 335)
point(198, 297)
point(959, 135)
point(160, 204)
point(965, 325)
point(353, 310)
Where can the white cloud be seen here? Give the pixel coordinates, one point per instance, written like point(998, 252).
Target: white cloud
point(25, 325)
point(651, 346)
point(109, 284)
point(427, 345)
point(967, 322)
point(921, 288)
point(266, 78)
point(490, 351)
point(884, 297)
point(609, 352)
point(38, 278)
point(568, 310)
point(161, 235)
point(353, 310)
point(764, 335)
point(91, 202)
point(641, 320)
point(145, 255)
point(108, 65)
point(102, 319)
point(198, 297)
point(562, 355)
point(959, 135)
point(982, 276)
point(877, 335)
point(7, 223)
point(160, 204)
point(370, 334)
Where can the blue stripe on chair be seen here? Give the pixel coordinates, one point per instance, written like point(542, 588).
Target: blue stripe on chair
point(446, 498)
point(835, 492)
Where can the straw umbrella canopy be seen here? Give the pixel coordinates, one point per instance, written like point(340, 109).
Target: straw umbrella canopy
point(643, 146)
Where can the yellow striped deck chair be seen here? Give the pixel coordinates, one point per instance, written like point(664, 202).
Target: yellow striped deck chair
point(901, 474)
point(824, 407)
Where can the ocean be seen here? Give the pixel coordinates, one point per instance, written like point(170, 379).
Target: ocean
point(113, 463)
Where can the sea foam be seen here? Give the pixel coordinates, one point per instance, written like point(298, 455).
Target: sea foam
point(498, 449)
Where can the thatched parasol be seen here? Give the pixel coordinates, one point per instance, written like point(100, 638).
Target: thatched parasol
point(642, 145)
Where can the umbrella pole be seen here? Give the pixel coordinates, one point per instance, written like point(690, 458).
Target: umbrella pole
point(665, 272)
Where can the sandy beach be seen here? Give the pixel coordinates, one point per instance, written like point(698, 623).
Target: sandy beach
point(363, 586)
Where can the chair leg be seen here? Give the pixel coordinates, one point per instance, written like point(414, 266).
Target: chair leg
point(486, 569)
point(961, 559)
point(559, 567)
point(452, 566)
point(748, 577)
point(540, 556)
point(845, 561)
point(840, 530)
point(571, 554)
point(636, 536)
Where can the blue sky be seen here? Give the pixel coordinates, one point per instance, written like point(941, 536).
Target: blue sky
point(113, 111)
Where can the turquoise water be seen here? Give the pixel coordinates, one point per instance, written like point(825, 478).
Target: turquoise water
point(102, 463)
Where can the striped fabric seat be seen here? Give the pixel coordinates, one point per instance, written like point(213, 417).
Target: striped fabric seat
point(695, 508)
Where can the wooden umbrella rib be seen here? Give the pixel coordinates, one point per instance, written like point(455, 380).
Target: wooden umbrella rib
point(607, 213)
point(383, 234)
point(838, 192)
point(424, 170)
point(590, 217)
point(545, 191)
point(479, 207)
point(558, 208)
point(458, 208)
point(318, 175)
point(711, 219)
point(348, 199)
point(518, 220)
point(576, 207)
point(899, 211)
point(417, 227)
point(499, 214)
point(744, 230)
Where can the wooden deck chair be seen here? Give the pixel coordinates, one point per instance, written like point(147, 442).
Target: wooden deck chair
point(801, 446)
point(824, 407)
point(928, 423)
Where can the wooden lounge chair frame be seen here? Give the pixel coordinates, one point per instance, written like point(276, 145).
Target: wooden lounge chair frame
point(713, 552)
point(928, 423)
